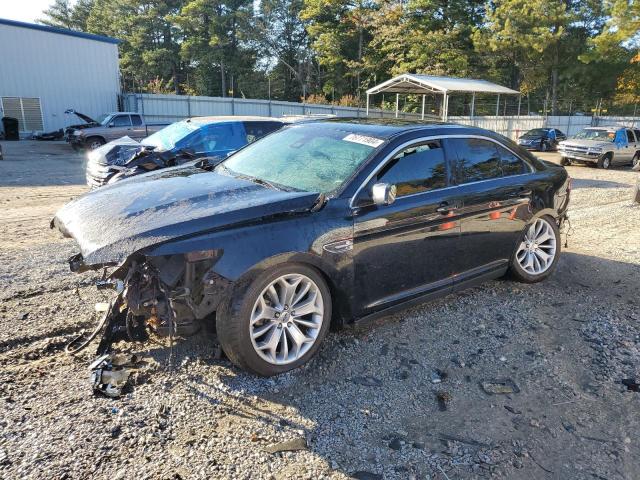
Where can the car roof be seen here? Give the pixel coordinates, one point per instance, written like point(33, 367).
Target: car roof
point(383, 128)
point(232, 118)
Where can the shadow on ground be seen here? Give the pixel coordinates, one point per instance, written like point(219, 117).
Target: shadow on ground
point(402, 396)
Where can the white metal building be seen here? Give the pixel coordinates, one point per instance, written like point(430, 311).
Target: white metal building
point(45, 71)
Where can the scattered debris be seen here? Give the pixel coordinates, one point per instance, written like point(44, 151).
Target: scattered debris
point(509, 408)
point(500, 386)
point(436, 376)
point(631, 384)
point(109, 373)
point(444, 399)
point(396, 443)
point(367, 381)
point(298, 443)
point(363, 475)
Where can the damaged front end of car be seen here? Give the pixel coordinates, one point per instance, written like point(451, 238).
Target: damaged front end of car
point(166, 295)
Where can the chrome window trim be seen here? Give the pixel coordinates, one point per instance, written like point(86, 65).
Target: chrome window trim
point(395, 151)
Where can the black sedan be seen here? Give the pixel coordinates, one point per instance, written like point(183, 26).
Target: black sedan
point(541, 139)
point(318, 224)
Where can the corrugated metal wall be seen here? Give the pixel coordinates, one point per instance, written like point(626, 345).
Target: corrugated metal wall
point(170, 108)
point(63, 71)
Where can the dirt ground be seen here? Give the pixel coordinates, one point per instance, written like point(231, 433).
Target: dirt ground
point(399, 398)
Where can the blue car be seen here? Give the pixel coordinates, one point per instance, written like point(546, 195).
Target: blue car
point(180, 142)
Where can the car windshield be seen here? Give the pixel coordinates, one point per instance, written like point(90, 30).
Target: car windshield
point(104, 119)
point(536, 132)
point(591, 134)
point(313, 158)
point(167, 138)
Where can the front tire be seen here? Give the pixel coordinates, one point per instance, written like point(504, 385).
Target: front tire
point(604, 161)
point(537, 254)
point(277, 322)
point(94, 142)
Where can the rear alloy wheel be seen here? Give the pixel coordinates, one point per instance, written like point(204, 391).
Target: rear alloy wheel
point(537, 254)
point(636, 160)
point(604, 162)
point(281, 320)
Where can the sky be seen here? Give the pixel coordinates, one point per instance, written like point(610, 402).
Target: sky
point(23, 10)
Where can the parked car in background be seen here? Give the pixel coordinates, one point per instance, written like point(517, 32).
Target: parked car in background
point(318, 223)
point(602, 147)
point(110, 127)
point(190, 139)
point(541, 139)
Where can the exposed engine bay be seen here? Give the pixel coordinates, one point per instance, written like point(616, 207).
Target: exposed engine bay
point(167, 296)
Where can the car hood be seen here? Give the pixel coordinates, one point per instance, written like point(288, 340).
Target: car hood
point(116, 221)
point(579, 142)
point(81, 116)
point(116, 152)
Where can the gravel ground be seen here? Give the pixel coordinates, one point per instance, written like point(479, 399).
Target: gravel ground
point(398, 398)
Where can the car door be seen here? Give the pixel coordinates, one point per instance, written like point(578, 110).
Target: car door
point(405, 249)
point(138, 130)
point(495, 188)
point(630, 148)
point(120, 126)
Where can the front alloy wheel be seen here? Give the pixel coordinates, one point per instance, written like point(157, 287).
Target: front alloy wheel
point(286, 319)
point(277, 322)
point(537, 254)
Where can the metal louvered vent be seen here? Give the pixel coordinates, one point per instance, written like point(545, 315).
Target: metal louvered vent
point(27, 110)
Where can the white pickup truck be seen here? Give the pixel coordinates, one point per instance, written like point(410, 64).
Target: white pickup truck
point(112, 126)
point(602, 146)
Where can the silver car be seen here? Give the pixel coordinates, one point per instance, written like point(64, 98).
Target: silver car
point(602, 146)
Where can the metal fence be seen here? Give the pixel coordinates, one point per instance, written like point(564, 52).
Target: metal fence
point(171, 108)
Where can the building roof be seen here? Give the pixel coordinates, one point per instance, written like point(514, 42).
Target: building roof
point(420, 84)
point(61, 31)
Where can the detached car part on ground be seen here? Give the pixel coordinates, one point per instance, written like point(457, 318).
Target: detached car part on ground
point(317, 224)
point(180, 142)
point(602, 147)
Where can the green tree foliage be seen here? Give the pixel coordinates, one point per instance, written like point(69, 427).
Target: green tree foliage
point(570, 52)
point(64, 14)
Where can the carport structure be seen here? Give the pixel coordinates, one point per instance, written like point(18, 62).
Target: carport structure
point(415, 84)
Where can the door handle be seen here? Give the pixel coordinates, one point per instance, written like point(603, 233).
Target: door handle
point(445, 208)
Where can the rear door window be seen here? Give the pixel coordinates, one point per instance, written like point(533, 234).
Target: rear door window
point(121, 121)
point(256, 130)
point(136, 120)
point(630, 136)
point(637, 132)
point(511, 164)
point(477, 160)
point(416, 169)
point(217, 138)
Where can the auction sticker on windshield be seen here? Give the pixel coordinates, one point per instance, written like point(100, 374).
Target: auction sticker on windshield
point(363, 140)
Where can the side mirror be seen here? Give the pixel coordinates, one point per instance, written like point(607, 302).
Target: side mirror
point(111, 125)
point(383, 194)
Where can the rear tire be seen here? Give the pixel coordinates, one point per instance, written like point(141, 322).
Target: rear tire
point(237, 332)
point(565, 162)
point(635, 160)
point(530, 262)
point(605, 161)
